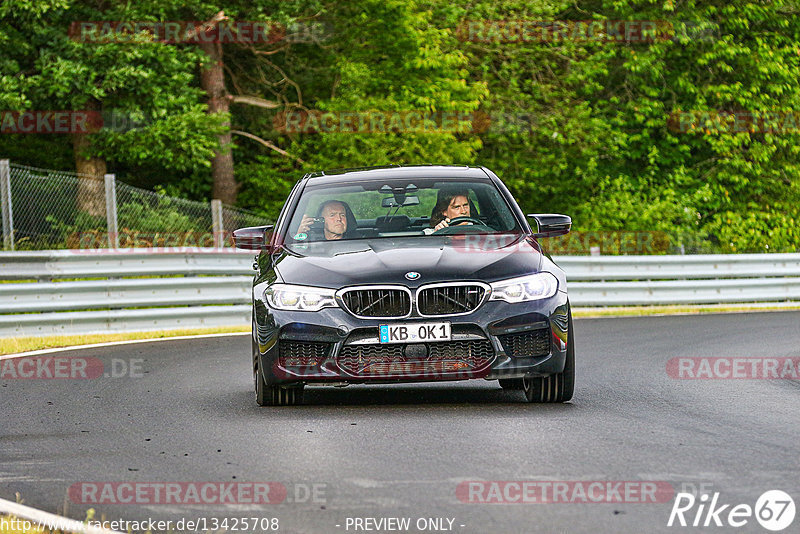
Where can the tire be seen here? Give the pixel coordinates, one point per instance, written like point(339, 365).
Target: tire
point(267, 395)
point(557, 387)
point(511, 384)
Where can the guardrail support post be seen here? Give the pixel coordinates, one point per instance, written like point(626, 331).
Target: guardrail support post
point(5, 200)
point(217, 226)
point(111, 210)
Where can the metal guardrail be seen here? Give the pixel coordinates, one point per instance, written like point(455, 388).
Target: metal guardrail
point(146, 292)
point(692, 267)
point(693, 279)
point(133, 290)
point(59, 264)
point(119, 291)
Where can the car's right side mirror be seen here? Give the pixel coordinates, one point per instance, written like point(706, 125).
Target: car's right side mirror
point(551, 224)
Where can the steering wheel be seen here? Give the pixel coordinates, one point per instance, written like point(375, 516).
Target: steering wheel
point(455, 221)
point(458, 220)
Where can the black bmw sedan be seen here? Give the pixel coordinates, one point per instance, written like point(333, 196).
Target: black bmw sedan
point(408, 274)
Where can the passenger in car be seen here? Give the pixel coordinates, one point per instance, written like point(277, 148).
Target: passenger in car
point(338, 219)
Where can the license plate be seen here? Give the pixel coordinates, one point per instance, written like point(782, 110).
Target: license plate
point(414, 332)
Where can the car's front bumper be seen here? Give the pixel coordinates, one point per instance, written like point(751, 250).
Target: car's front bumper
point(483, 349)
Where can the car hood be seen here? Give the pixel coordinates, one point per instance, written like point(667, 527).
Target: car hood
point(337, 264)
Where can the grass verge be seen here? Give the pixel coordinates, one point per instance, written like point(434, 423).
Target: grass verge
point(11, 345)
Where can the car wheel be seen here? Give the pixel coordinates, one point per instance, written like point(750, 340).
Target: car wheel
point(267, 395)
point(557, 387)
point(511, 384)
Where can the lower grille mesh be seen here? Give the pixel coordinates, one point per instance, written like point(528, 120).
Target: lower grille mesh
point(527, 344)
point(293, 353)
point(388, 359)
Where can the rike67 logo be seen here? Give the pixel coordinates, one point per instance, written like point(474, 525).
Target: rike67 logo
point(774, 510)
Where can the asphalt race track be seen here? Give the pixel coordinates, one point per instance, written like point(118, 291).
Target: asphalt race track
point(186, 414)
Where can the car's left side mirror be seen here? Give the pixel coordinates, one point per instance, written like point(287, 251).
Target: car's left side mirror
point(252, 237)
point(551, 224)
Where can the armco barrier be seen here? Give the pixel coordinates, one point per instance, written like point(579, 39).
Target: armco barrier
point(122, 291)
point(135, 290)
point(689, 267)
point(691, 279)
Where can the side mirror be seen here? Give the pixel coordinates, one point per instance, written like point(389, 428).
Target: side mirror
point(252, 237)
point(551, 224)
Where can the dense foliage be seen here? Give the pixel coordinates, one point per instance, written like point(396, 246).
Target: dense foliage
point(608, 131)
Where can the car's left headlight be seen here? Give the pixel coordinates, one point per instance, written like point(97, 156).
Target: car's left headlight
point(525, 288)
point(300, 298)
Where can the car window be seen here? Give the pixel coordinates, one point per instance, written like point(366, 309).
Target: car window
point(367, 204)
point(374, 210)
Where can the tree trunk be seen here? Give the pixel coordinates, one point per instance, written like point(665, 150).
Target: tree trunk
point(91, 186)
point(212, 78)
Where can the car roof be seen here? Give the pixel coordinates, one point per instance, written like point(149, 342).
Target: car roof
point(388, 172)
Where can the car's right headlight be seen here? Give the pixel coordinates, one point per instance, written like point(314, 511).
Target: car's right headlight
point(525, 288)
point(300, 298)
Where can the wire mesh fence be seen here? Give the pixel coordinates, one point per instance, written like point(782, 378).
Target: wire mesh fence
point(145, 218)
point(46, 206)
point(50, 209)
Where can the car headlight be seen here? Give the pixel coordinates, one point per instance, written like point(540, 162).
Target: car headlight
point(525, 288)
point(300, 298)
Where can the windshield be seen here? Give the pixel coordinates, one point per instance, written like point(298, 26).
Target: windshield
point(399, 208)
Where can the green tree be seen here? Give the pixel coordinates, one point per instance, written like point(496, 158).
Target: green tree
point(379, 55)
point(149, 83)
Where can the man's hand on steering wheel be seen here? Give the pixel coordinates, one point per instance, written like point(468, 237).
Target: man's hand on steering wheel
point(455, 221)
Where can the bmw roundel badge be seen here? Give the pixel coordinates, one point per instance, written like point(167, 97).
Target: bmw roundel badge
point(412, 275)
